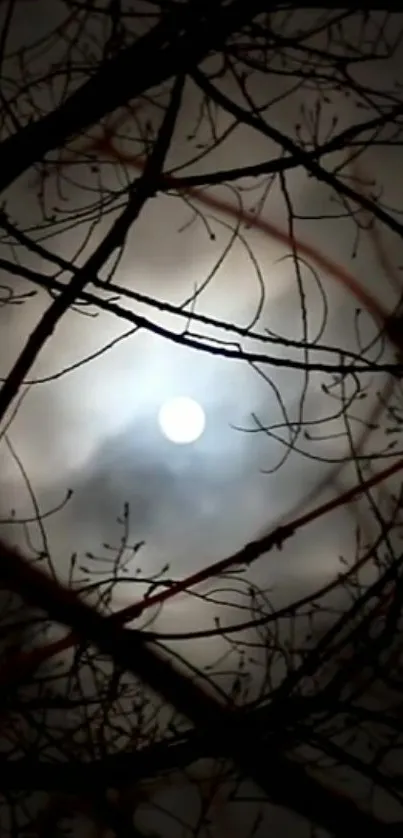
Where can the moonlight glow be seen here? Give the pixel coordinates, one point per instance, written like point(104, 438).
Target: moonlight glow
point(182, 420)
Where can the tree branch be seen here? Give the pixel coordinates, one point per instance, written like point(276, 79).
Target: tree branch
point(139, 192)
point(286, 783)
point(184, 37)
point(304, 157)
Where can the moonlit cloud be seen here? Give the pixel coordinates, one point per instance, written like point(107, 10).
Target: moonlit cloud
point(95, 428)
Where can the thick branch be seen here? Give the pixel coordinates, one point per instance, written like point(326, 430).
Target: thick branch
point(352, 363)
point(285, 782)
point(182, 38)
point(142, 189)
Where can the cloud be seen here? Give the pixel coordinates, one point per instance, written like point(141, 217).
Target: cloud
point(95, 429)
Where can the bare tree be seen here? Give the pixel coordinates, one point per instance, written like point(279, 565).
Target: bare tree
point(225, 181)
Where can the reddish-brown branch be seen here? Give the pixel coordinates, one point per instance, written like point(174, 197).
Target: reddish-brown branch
point(105, 146)
point(285, 781)
point(248, 554)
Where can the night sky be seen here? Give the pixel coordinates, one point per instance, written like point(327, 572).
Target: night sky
point(94, 429)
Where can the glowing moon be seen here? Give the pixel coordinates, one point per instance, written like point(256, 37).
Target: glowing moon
point(182, 420)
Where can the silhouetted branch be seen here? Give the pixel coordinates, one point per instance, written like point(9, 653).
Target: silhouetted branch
point(285, 782)
point(141, 190)
point(186, 34)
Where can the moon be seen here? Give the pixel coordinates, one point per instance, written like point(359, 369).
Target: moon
point(182, 420)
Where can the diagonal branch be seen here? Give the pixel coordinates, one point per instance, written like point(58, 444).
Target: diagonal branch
point(304, 157)
point(352, 362)
point(184, 37)
point(142, 189)
point(284, 164)
point(285, 782)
